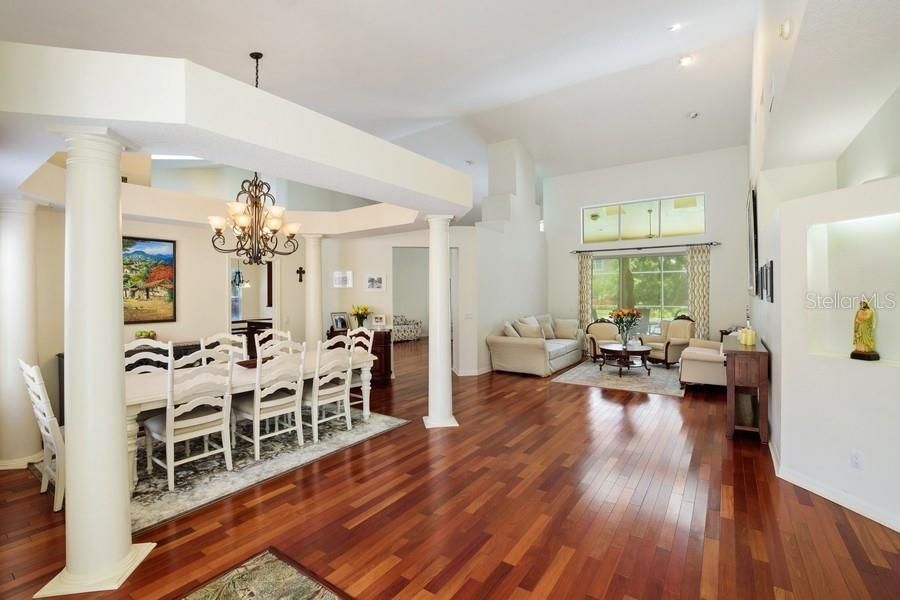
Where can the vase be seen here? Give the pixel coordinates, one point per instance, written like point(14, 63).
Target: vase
point(360, 319)
point(624, 333)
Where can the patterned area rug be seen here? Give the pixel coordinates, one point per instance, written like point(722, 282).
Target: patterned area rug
point(660, 381)
point(263, 577)
point(203, 481)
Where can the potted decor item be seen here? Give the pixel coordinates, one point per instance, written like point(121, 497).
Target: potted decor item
point(625, 320)
point(360, 311)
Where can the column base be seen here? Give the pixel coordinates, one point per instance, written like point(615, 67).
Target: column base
point(21, 463)
point(436, 422)
point(66, 583)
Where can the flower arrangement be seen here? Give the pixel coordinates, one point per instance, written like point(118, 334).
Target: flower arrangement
point(625, 320)
point(360, 311)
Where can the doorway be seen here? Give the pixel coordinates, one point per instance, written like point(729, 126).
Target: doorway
point(253, 298)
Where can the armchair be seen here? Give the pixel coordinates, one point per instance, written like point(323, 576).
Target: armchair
point(406, 329)
point(703, 362)
point(601, 331)
point(674, 337)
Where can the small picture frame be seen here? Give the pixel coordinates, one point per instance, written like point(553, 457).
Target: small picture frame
point(770, 282)
point(342, 279)
point(340, 320)
point(374, 282)
point(378, 321)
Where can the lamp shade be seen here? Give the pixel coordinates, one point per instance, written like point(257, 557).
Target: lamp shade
point(217, 223)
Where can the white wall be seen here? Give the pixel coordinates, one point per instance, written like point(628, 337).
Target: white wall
point(721, 174)
point(875, 152)
point(410, 287)
point(831, 406)
point(202, 290)
point(375, 254)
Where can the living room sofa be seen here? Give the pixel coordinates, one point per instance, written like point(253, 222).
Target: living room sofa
point(559, 347)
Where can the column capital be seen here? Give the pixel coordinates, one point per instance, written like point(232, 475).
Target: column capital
point(17, 205)
point(437, 219)
point(311, 236)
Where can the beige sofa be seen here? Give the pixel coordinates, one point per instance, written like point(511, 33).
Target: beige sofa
point(537, 355)
point(702, 362)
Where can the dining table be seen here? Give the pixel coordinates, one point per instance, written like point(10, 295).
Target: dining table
point(147, 391)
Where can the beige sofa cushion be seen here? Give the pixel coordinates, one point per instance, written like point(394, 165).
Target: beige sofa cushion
point(509, 330)
point(559, 347)
point(528, 320)
point(546, 323)
point(702, 354)
point(528, 331)
point(565, 328)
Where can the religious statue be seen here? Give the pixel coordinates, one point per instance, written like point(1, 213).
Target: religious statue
point(864, 333)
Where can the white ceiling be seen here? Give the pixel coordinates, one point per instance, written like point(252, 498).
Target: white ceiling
point(583, 83)
point(846, 64)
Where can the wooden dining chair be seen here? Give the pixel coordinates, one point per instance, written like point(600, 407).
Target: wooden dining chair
point(53, 467)
point(277, 397)
point(266, 339)
point(198, 404)
point(360, 339)
point(231, 344)
point(330, 384)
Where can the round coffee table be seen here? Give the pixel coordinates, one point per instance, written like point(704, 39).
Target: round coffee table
point(617, 355)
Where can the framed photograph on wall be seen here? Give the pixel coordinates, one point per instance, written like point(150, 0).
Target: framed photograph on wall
point(342, 279)
point(374, 282)
point(148, 280)
point(753, 244)
point(378, 321)
point(770, 282)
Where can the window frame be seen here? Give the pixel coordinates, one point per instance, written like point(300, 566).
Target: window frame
point(658, 200)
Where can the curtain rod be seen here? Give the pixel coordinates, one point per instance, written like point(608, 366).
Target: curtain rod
point(645, 248)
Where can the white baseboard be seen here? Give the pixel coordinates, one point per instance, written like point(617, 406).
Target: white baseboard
point(841, 497)
point(776, 457)
point(472, 373)
point(21, 463)
point(65, 583)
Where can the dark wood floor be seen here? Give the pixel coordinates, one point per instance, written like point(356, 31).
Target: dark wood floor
point(545, 491)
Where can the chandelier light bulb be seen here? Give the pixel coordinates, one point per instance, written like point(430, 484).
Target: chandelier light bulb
point(217, 223)
point(291, 229)
point(242, 220)
point(236, 208)
point(276, 211)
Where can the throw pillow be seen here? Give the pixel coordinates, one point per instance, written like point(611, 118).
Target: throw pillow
point(509, 330)
point(528, 320)
point(528, 331)
point(546, 323)
point(566, 328)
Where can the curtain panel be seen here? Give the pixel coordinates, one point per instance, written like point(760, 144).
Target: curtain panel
point(584, 289)
point(698, 288)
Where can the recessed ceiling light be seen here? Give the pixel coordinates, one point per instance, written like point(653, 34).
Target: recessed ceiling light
point(686, 61)
point(693, 115)
point(786, 29)
point(674, 27)
point(470, 162)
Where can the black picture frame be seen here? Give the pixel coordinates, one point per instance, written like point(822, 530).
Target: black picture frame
point(770, 282)
point(130, 291)
point(754, 282)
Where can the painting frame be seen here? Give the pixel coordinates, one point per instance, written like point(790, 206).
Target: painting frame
point(770, 281)
point(134, 279)
point(753, 282)
point(342, 279)
point(374, 282)
point(378, 321)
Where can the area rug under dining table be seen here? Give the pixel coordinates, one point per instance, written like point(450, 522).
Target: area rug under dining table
point(200, 482)
point(660, 380)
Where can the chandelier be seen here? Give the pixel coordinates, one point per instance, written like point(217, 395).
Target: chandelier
point(254, 219)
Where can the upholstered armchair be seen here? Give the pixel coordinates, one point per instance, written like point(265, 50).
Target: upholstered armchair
point(674, 337)
point(601, 331)
point(406, 330)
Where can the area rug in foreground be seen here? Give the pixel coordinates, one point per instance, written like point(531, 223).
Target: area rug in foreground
point(262, 577)
point(660, 381)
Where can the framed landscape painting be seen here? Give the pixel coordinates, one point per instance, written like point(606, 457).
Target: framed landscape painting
point(148, 280)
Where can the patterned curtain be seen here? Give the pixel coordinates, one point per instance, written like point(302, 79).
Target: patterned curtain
point(584, 289)
point(698, 288)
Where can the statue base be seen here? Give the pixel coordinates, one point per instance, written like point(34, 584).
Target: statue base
point(859, 355)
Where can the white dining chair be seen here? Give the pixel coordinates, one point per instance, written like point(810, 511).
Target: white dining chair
point(53, 467)
point(235, 345)
point(330, 384)
point(277, 397)
point(143, 356)
point(360, 339)
point(267, 339)
point(198, 404)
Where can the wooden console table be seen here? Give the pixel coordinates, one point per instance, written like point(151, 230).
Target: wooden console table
point(747, 367)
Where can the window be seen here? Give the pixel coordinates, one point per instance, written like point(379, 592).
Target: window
point(657, 285)
point(235, 297)
point(646, 219)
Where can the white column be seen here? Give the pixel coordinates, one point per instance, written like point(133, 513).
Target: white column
point(313, 290)
point(440, 385)
point(20, 442)
point(99, 552)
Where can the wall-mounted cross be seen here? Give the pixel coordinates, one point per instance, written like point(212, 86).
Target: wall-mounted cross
point(300, 273)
